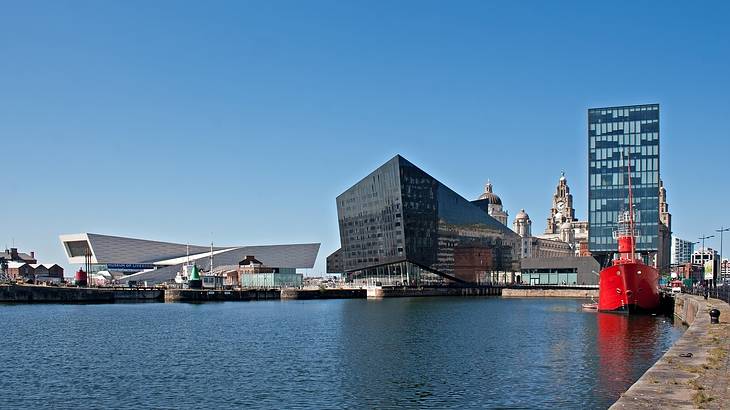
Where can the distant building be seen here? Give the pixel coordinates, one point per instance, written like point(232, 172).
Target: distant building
point(567, 270)
point(702, 257)
point(401, 226)
point(536, 247)
point(19, 270)
point(725, 270)
point(664, 249)
point(335, 263)
point(141, 260)
point(12, 255)
point(681, 251)
point(253, 274)
point(47, 272)
point(614, 135)
point(689, 271)
point(490, 202)
point(562, 224)
point(23, 266)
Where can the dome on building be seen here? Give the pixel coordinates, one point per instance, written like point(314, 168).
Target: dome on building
point(522, 215)
point(489, 195)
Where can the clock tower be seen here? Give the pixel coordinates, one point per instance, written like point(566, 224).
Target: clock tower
point(562, 210)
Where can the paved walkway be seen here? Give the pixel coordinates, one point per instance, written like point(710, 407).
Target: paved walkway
point(700, 381)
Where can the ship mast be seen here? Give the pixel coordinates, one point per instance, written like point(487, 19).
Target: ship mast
point(632, 231)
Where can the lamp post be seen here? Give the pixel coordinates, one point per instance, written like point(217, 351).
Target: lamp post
point(721, 231)
point(702, 238)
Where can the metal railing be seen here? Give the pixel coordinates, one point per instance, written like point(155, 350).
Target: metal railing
point(720, 292)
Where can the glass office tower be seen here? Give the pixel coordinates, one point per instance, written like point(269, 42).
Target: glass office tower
point(400, 226)
point(616, 134)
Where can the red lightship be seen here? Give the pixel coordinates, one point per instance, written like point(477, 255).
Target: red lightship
point(629, 285)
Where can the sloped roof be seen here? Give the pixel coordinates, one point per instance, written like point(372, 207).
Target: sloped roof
point(16, 265)
point(118, 249)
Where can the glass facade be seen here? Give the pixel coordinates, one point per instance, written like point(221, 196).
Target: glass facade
point(548, 276)
point(616, 134)
point(288, 279)
point(401, 226)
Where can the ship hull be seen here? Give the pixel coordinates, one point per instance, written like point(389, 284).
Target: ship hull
point(629, 288)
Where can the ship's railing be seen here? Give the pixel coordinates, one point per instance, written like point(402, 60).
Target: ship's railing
point(625, 217)
point(624, 232)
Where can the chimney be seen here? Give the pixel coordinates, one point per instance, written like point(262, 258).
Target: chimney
point(13, 253)
point(32, 255)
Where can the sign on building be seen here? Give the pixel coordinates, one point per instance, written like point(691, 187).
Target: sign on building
point(710, 270)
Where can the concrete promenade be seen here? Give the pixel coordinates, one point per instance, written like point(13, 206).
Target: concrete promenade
point(679, 381)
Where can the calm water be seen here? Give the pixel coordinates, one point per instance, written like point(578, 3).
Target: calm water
point(419, 352)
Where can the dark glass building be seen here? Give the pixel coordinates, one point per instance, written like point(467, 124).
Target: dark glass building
point(400, 226)
point(616, 134)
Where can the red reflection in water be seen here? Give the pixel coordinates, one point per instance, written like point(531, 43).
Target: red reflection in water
point(627, 346)
point(614, 351)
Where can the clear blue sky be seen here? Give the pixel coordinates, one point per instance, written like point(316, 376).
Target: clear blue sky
point(175, 120)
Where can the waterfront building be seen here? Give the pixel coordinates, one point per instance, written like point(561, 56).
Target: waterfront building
point(492, 203)
point(537, 247)
point(141, 260)
point(47, 272)
point(614, 135)
point(681, 251)
point(401, 226)
point(725, 270)
point(562, 224)
point(701, 258)
point(565, 270)
point(19, 270)
point(252, 273)
point(335, 264)
point(36, 272)
point(664, 251)
point(12, 255)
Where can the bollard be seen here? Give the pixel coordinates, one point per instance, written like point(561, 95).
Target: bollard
point(714, 316)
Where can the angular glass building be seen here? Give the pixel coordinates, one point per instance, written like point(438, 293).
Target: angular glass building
point(616, 134)
point(400, 226)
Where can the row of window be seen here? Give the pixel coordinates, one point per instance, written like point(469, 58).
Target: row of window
point(639, 179)
point(631, 113)
point(622, 128)
point(640, 204)
point(621, 153)
point(628, 143)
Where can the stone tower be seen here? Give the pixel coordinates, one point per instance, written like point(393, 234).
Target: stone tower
point(562, 210)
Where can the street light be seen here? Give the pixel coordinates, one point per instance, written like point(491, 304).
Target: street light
point(722, 230)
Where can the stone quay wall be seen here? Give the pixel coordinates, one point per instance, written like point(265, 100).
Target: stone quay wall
point(203, 295)
point(55, 294)
point(580, 293)
point(695, 371)
point(377, 292)
point(309, 294)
